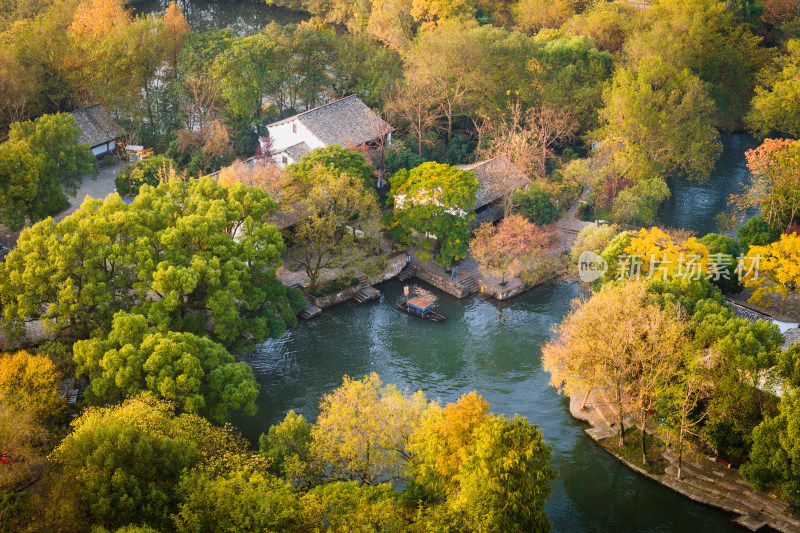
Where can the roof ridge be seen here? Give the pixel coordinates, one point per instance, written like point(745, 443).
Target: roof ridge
point(298, 115)
point(87, 107)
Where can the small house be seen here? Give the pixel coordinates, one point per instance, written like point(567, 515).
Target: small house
point(497, 177)
point(348, 122)
point(98, 129)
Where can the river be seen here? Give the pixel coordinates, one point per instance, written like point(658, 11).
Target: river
point(242, 17)
point(494, 348)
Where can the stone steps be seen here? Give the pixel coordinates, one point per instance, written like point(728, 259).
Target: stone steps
point(310, 312)
point(407, 273)
point(367, 294)
point(470, 284)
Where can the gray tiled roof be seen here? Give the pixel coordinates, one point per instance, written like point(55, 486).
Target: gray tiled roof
point(297, 151)
point(97, 126)
point(343, 122)
point(494, 175)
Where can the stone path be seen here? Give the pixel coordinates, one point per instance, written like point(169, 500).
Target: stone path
point(703, 480)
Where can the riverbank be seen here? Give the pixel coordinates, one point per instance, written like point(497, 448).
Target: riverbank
point(703, 480)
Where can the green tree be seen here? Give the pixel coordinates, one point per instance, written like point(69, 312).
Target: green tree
point(536, 204)
point(245, 73)
point(638, 205)
point(125, 473)
point(41, 158)
point(708, 38)
point(341, 219)
point(436, 199)
point(492, 472)
point(204, 251)
point(351, 506)
point(334, 159)
point(145, 172)
point(126, 461)
point(660, 120)
point(504, 481)
point(756, 232)
point(771, 107)
point(242, 500)
point(195, 373)
point(724, 251)
point(365, 67)
point(775, 456)
point(287, 447)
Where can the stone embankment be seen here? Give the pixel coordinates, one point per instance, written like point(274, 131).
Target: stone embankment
point(702, 478)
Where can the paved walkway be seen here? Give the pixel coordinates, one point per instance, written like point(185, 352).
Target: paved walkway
point(100, 187)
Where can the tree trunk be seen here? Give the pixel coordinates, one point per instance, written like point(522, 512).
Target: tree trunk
point(644, 436)
point(679, 475)
point(621, 417)
point(585, 399)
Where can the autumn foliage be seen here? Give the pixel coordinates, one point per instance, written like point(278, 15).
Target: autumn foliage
point(508, 248)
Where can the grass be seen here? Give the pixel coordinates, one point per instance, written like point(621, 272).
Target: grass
point(632, 452)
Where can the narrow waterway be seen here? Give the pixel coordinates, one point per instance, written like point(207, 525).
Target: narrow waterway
point(694, 205)
point(246, 17)
point(494, 348)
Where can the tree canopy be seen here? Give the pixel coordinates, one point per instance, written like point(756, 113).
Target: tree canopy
point(436, 199)
point(205, 252)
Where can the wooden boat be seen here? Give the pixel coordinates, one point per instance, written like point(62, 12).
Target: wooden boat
point(421, 308)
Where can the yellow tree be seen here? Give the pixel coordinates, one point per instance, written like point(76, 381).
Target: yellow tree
point(609, 342)
point(175, 27)
point(442, 443)
point(363, 432)
point(30, 382)
point(776, 270)
point(659, 255)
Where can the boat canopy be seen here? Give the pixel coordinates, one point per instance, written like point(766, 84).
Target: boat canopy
point(420, 304)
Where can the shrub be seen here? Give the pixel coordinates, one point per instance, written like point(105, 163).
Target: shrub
point(145, 172)
point(536, 204)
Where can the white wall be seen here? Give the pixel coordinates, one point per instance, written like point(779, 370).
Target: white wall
point(103, 149)
point(283, 137)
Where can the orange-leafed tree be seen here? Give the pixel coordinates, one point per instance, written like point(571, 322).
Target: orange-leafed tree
point(775, 185)
point(508, 248)
point(175, 27)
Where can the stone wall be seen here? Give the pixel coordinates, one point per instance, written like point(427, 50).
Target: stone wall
point(442, 283)
point(335, 298)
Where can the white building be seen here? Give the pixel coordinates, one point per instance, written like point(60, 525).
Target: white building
point(98, 129)
point(347, 122)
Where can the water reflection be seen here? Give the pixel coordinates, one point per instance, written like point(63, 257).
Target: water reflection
point(693, 205)
point(242, 17)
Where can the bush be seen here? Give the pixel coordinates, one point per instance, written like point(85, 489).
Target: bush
point(535, 204)
point(145, 172)
point(594, 239)
point(756, 232)
point(720, 244)
point(400, 156)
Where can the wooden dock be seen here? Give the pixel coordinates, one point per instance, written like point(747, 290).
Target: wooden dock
point(367, 294)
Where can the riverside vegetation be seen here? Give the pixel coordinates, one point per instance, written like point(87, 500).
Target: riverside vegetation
point(147, 303)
